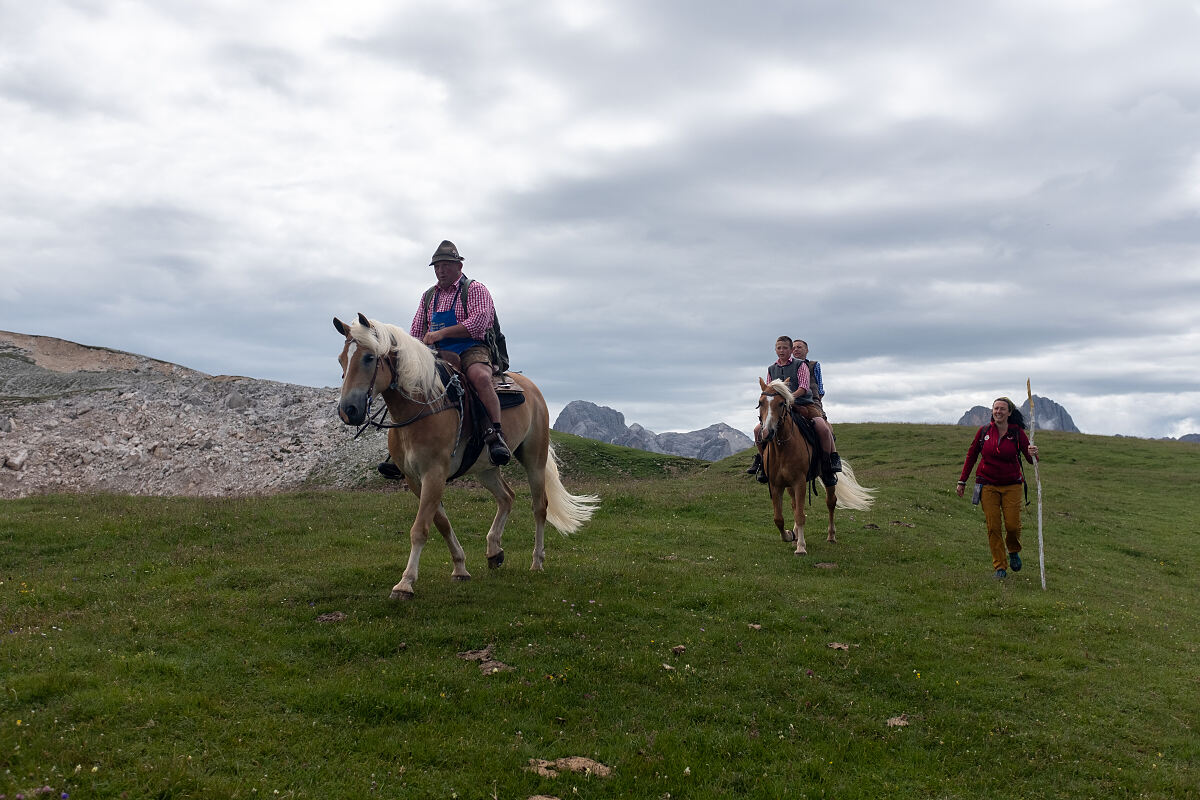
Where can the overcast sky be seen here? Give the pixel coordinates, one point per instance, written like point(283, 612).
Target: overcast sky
point(944, 198)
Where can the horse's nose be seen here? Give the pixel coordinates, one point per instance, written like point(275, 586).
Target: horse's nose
point(350, 413)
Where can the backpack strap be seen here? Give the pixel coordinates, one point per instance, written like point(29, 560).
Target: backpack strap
point(425, 300)
point(464, 283)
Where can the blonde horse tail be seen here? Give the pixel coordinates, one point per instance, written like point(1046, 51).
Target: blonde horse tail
point(565, 511)
point(849, 494)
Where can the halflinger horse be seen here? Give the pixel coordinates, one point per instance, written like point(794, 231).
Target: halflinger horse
point(428, 442)
point(786, 458)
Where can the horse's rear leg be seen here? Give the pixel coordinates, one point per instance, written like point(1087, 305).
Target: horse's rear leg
point(503, 493)
point(831, 504)
point(533, 454)
point(797, 493)
point(537, 487)
point(457, 556)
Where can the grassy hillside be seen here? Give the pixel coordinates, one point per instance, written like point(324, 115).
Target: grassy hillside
point(205, 648)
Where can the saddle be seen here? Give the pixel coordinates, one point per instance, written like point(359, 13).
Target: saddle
point(474, 416)
point(815, 464)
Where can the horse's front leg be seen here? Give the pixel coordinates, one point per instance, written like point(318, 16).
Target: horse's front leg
point(798, 513)
point(777, 509)
point(429, 489)
point(831, 504)
point(495, 483)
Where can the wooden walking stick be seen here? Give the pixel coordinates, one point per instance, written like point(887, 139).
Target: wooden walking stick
point(1038, 479)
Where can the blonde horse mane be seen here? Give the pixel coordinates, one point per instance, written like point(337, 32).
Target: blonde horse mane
point(416, 370)
point(781, 387)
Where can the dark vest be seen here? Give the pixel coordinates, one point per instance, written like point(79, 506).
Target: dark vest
point(786, 373)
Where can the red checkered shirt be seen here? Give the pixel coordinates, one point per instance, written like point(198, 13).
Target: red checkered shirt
point(480, 310)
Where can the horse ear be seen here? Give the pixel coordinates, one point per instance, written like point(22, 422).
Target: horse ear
point(362, 320)
point(763, 384)
point(342, 327)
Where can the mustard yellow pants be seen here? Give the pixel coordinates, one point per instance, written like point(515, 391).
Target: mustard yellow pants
point(1002, 510)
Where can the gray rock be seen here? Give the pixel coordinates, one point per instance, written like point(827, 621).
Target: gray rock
point(84, 419)
point(606, 425)
point(591, 421)
point(976, 417)
point(1050, 415)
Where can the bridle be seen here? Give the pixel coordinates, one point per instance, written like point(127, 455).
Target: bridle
point(776, 433)
point(433, 406)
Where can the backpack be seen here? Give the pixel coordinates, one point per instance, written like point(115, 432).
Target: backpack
point(492, 337)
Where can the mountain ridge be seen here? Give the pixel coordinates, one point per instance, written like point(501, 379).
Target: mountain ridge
point(604, 424)
point(77, 418)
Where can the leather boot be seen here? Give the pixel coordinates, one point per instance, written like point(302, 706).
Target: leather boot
point(835, 461)
point(498, 451)
point(828, 475)
point(389, 470)
point(756, 466)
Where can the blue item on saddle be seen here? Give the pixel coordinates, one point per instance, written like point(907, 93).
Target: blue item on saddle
point(447, 319)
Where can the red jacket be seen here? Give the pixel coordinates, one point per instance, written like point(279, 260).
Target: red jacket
point(1001, 465)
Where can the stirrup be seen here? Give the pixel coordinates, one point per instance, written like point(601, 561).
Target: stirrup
point(498, 450)
point(390, 471)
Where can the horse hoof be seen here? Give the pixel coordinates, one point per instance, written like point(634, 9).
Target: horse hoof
point(800, 553)
point(495, 561)
point(788, 536)
point(398, 594)
point(460, 577)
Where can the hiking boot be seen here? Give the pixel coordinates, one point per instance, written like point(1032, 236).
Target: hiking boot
point(498, 451)
point(1000, 575)
point(1014, 561)
point(390, 471)
point(761, 475)
point(835, 462)
point(756, 466)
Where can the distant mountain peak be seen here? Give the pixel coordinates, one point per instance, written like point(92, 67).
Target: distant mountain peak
point(1050, 416)
point(604, 424)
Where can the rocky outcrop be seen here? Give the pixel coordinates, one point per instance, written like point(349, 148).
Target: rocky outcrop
point(976, 417)
point(82, 419)
point(606, 425)
point(596, 422)
point(1050, 416)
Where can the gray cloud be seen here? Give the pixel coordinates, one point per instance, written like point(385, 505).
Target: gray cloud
point(944, 200)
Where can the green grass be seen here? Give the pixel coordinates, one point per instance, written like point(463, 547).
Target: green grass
point(171, 648)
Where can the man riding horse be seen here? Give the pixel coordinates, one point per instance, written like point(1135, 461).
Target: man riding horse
point(454, 321)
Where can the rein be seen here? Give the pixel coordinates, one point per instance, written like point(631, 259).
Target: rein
point(780, 440)
point(429, 405)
